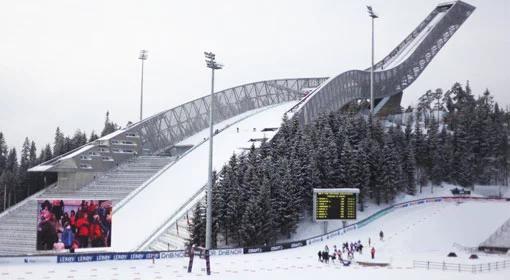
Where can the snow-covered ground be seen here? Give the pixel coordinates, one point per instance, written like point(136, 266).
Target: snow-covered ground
point(307, 228)
point(155, 204)
point(424, 232)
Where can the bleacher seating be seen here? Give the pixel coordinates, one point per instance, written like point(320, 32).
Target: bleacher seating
point(175, 237)
point(113, 185)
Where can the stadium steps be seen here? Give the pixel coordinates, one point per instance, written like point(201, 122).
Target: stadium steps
point(175, 237)
point(18, 226)
point(117, 183)
point(18, 230)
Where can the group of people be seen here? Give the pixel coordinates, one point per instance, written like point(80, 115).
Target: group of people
point(348, 248)
point(79, 225)
point(325, 255)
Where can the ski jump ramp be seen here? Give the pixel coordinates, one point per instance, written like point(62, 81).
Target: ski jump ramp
point(145, 212)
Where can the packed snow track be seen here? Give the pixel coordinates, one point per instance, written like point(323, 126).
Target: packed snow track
point(424, 232)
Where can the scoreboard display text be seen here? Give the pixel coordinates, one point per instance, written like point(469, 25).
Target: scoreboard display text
point(335, 206)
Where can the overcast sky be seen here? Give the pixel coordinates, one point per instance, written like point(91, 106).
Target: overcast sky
point(65, 63)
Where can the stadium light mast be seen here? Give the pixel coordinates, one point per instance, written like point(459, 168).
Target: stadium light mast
point(372, 14)
point(210, 60)
point(143, 57)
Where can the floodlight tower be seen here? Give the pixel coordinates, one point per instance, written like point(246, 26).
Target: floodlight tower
point(143, 57)
point(372, 14)
point(210, 60)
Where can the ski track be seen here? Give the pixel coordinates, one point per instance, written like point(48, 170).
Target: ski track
point(424, 232)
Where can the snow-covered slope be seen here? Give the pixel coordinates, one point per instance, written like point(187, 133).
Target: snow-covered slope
point(152, 206)
point(424, 232)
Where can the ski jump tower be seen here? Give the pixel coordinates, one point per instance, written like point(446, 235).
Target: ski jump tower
point(395, 72)
point(102, 168)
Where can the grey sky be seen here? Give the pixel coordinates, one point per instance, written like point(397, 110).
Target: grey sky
point(65, 63)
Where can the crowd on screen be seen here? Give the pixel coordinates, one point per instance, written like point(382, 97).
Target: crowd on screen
point(86, 225)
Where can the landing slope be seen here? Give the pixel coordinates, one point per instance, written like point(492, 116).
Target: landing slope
point(135, 221)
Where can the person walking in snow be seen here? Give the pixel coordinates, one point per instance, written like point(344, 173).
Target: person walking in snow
point(320, 255)
point(381, 235)
point(372, 252)
point(325, 256)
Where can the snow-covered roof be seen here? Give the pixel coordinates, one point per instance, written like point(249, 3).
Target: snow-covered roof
point(77, 152)
point(40, 168)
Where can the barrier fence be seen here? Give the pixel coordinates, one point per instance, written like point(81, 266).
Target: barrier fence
point(482, 267)
point(108, 256)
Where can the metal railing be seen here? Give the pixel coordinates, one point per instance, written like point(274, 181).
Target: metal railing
point(462, 267)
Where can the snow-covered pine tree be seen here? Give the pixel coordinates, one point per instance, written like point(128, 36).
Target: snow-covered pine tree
point(409, 170)
point(289, 201)
point(344, 167)
point(197, 226)
point(376, 172)
point(389, 177)
point(3, 153)
point(58, 146)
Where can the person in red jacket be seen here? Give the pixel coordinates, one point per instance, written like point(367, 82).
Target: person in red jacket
point(91, 210)
point(96, 233)
point(82, 225)
point(372, 252)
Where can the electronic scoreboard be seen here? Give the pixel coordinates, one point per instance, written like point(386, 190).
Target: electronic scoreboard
point(334, 204)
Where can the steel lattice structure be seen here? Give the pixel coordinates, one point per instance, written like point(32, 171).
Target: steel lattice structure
point(167, 128)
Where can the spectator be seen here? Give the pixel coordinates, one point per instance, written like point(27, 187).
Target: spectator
point(46, 233)
point(82, 225)
point(381, 235)
point(372, 252)
point(56, 209)
point(96, 233)
point(46, 205)
point(74, 246)
point(91, 210)
point(325, 256)
point(65, 219)
point(72, 221)
point(67, 236)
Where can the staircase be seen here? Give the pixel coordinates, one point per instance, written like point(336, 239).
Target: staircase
point(18, 225)
point(118, 182)
point(175, 237)
point(18, 229)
